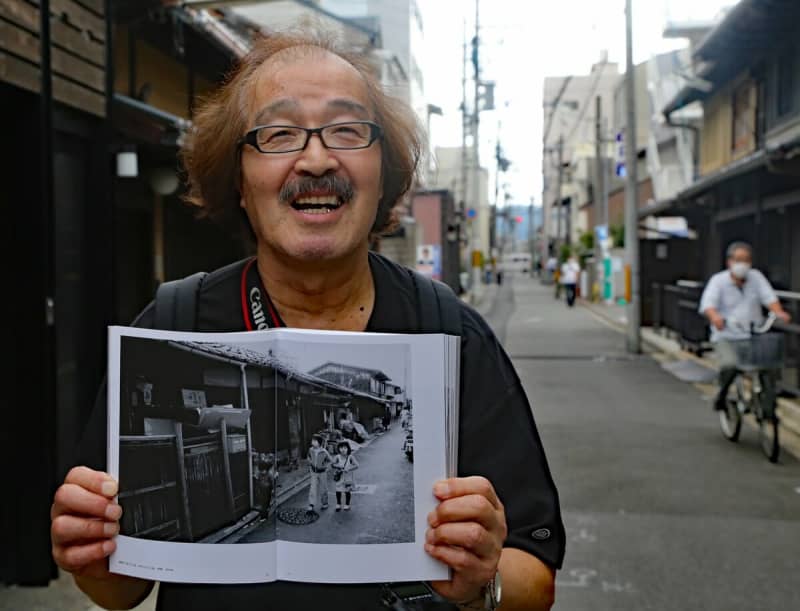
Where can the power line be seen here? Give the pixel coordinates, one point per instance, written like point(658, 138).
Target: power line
point(585, 104)
point(555, 106)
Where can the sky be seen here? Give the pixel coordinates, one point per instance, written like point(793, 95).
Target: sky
point(524, 41)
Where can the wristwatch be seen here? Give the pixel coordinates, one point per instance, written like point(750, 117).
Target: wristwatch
point(493, 592)
point(490, 595)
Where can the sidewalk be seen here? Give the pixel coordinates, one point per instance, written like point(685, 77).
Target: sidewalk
point(667, 350)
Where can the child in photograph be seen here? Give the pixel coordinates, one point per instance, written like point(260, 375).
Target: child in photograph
point(264, 484)
point(318, 461)
point(343, 466)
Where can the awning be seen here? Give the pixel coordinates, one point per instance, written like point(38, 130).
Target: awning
point(755, 161)
point(145, 123)
point(750, 29)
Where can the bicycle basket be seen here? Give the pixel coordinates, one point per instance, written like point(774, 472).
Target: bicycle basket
point(760, 351)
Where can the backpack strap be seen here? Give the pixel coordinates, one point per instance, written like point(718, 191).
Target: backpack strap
point(176, 303)
point(439, 307)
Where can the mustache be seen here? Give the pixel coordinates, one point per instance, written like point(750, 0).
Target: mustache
point(341, 187)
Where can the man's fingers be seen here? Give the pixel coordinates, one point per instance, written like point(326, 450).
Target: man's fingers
point(98, 482)
point(76, 557)
point(74, 499)
point(463, 486)
point(462, 561)
point(68, 529)
point(469, 536)
point(472, 508)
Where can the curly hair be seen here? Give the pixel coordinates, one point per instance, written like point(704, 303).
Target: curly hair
point(209, 152)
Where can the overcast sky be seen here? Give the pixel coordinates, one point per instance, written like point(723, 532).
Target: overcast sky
point(524, 41)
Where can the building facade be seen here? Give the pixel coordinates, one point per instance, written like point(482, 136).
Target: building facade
point(748, 182)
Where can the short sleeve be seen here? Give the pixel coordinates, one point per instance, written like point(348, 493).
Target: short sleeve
point(499, 441)
point(765, 291)
point(710, 297)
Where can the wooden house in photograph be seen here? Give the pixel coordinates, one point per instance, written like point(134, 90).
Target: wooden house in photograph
point(372, 390)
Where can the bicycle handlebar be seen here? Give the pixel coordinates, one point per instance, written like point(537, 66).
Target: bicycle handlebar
point(752, 328)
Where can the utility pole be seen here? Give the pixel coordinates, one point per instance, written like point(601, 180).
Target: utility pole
point(476, 272)
point(631, 193)
point(599, 186)
point(559, 212)
point(464, 127)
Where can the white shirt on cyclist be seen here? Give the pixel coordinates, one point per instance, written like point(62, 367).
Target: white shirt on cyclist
point(739, 305)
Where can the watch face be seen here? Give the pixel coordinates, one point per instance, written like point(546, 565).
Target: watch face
point(494, 590)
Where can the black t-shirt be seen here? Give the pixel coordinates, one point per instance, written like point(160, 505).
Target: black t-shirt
point(497, 439)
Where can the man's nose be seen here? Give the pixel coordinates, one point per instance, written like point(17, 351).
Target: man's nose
point(316, 159)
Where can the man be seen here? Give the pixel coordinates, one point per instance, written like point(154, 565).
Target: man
point(570, 271)
point(736, 295)
point(552, 266)
point(305, 143)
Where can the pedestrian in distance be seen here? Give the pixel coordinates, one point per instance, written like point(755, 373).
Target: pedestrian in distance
point(304, 153)
point(738, 294)
point(570, 271)
point(344, 463)
point(551, 268)
point(405, 417)
point(318, 462)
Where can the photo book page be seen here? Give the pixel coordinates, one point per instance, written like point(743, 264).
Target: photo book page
point(282, 454)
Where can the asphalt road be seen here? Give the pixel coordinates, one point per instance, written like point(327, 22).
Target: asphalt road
point(382, 507)
point(661, 511)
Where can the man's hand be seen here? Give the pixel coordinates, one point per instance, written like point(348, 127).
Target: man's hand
point(84, 520)
point(717, 321)
point(467, 531)
point(784, 316)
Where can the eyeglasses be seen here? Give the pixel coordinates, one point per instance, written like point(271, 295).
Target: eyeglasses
point(349, 135)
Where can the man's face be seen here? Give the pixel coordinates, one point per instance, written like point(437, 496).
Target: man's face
point(740, 255)
point(312, 90)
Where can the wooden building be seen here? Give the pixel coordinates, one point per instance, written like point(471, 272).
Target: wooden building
point(749, 183)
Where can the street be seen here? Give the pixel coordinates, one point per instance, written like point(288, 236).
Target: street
point(382, 501)
point(661, 511)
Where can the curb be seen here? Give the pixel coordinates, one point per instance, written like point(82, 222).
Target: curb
point(789, 410)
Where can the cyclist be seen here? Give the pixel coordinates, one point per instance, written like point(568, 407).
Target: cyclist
point(736, 294)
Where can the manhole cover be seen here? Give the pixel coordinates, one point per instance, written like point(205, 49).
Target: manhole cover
point(297, 516)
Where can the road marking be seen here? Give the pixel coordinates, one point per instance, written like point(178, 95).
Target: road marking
point(797, 490)
point(609, 586)
point(584, 535)
point(581, 579)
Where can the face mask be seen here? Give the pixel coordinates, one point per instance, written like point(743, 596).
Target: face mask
point(739, 269)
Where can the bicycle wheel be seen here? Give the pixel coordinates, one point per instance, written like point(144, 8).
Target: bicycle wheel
point(768, 436)
point(768, 419)
point(730, 418)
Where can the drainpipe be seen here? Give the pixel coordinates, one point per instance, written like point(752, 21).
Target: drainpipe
point(246, 405)
point(696, 148)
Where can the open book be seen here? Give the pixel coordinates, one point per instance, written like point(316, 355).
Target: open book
point(279, 454)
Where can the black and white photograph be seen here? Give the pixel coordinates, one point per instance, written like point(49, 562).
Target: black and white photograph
point(346, 425)
point(287, 445)
point(198, 460)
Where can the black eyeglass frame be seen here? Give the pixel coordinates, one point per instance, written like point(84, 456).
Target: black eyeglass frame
point(375, 133)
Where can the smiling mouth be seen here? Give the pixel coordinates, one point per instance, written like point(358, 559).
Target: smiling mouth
point(321, 204)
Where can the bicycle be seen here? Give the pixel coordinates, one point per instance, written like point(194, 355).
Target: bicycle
point(758, 357)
